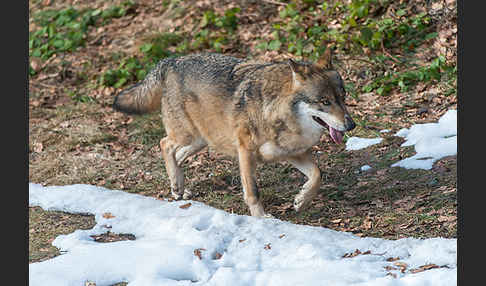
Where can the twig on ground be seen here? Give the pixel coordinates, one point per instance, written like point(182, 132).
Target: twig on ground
point(276, 3)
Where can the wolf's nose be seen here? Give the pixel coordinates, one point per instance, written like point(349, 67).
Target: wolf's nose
point(349, 123)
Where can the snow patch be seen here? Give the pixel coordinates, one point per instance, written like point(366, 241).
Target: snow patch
point(356, 143)
point(432, 141)
point(365, 167)
point(254, 251)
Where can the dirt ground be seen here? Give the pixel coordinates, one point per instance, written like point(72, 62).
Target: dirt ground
point(76, 137)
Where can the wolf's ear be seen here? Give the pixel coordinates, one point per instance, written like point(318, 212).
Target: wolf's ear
point(325, 61)
point(297, 76)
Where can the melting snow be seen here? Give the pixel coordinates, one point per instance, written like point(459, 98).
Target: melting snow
point(254, 251)
point(432, 141)
point(356, 143)
point(365, 167)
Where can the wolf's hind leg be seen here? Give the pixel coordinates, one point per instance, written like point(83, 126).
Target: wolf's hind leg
point(306, 165)
point(176, 175)
point(186, 151)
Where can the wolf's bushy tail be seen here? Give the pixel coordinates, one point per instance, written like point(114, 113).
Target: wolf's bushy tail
point(144, 96)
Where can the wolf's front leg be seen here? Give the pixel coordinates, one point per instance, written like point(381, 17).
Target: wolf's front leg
point(247, 165)
point(309, 190)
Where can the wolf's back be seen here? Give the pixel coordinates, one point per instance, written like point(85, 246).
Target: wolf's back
point(144, 96)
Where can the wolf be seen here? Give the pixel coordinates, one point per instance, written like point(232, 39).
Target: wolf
point(253, 111)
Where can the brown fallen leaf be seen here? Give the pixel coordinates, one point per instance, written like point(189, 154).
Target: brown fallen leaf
point(267, 246)
point(185, 206)
point(218, 255)
point(444, 218)
point(36, 64)
point(356, 253)
point(388, 267)
point(402, 265)
point(449, 191)
point(406, 225)
point(35, 103)
point(367, 224)
point(391, 259)
point(241, 240)
point(198, 253)
point(38, 147)
point(425, 267)
point(281, 236)
point(352, 254)
point(116, 146)
point(108, 90)
point(108, 215)
point(285, 207)
point(336, 220)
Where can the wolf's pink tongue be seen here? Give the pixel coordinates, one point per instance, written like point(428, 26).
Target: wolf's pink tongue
point(336, 135)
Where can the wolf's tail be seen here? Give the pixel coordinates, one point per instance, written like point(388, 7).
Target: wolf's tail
point(144, 96)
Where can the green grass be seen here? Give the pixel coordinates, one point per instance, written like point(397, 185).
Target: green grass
point(356, 29)
point(65, 30)
point(404, 80)
point(214, 32)
point(361, 24)
point(134, 68)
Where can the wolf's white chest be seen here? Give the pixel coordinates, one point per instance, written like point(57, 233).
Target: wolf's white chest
point(293, 143)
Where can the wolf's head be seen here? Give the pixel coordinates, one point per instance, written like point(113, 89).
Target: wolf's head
point(319, 94)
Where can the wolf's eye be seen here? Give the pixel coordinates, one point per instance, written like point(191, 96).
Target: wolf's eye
point(326, 102)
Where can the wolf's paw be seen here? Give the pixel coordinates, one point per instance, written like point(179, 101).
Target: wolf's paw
point(301, 202)
point(257, 210)
point(187, 194)
point(267, 215)
point(263, 215)
point(176, 195)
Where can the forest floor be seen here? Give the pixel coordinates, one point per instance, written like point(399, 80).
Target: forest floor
point(397, 58)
